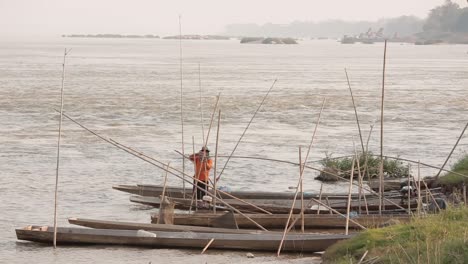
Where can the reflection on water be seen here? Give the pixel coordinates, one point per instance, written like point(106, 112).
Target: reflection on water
point(129, 90)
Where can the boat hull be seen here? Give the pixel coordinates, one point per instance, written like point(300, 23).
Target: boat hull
point(257, 242)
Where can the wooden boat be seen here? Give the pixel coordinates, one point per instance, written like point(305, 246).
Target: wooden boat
point(280, 206)
point(297, 242)
point(177, 192)
point(103, 224)
point(311, 221)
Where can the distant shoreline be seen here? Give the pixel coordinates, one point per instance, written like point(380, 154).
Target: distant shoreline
point(109, 36)
point(148, 36)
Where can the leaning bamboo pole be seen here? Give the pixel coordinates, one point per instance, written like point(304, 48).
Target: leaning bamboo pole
point(409, 189)
point(245, 130)
point(336, 212)
point(181, 99)
point(216, 161)
point(381, 188)
point(349, 197)
point(157, 164)
point(301, 177)
point(302, 191)
point(419, 190)
point(162, 197)
point(201, 105)
point(355, 111)
point(451, 152)
point(320, 197)
point(58, 149)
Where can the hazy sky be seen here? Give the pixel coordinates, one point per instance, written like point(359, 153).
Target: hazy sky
point(55, 17)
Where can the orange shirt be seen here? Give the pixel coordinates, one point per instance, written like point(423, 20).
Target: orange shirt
point(202, 168)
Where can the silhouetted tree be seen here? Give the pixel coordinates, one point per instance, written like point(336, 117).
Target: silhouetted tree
point(462, 21)
point(443, 18)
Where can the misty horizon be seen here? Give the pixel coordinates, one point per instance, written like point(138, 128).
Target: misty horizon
point(207, 17)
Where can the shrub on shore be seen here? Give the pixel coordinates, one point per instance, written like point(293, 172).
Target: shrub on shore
point(392, 168)
point(455, 180)
point(441, 238)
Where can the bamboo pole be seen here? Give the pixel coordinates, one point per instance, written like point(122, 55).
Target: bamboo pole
point(207, 245)
point(419, 190)
point(181, 99)
point(302, 191)
point(355, 111)
point(356, 157)
point(451, 152)
point(157, 164)
point(366, 160)
point(58, 149)
point(194, 190)
point(336, 212)
point(428, 191)
point(162, 195)
point(212, 117)
point(245, 130)
point(300, 178)
point(409, 190)
point(216, 162)
point(329, 207)
point(349, 197)
point(381, 188)
point(201, 105)
point(464, 194)
point(320, 197)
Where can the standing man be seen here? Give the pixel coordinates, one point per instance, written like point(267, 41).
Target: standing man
point(203, 164)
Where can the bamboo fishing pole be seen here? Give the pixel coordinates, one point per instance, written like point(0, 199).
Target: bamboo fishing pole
point(381, 188)
point(181, 99)
point(302, 191)
point(320, 197)
point(245, 130)
point(58, 149)
point(419, 190)
point(356, 156)
point(348, 206)
point(201, 105)
point(355, 111)
point(216, 162)
point(300, 177)
point(162, 197)
point(451, 152)
point(409, 190)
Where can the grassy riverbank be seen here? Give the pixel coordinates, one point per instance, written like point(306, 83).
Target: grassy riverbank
point(441, 238)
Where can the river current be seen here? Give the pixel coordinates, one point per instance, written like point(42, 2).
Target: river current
point(129, 90)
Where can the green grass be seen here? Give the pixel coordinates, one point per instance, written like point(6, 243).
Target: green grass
point(392, 168)
point(454, 180)
point(438, 239)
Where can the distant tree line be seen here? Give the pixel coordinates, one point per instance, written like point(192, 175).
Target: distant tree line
point(402, 26)
point(447, 18)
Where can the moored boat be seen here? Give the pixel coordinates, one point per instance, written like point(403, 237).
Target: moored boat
point(178, 192)
point(282, 206)
point(158, 239)
point(279, 220)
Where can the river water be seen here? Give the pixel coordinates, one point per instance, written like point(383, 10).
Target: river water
point(129, 90)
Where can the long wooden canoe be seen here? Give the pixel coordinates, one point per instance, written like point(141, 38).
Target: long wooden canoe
point(278, 206)
point(311, 221)
point(106, 224)
point(297, 242)
point(177, 192)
